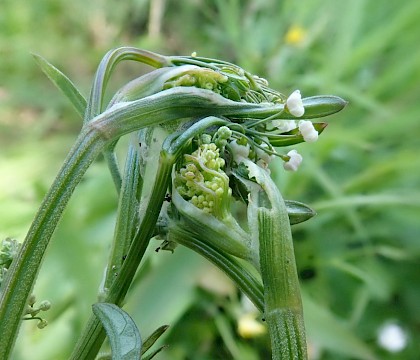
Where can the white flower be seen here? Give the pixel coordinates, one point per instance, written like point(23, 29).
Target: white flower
point(284, 125)
point(262, 155)
point(239, 151)
point(392, 337)
point(293, 163)
point(308, 131)
point(294, 104)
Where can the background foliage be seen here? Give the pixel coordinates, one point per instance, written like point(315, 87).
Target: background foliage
point(358, 259)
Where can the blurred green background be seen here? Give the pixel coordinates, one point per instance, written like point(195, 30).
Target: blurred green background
point(358, 259)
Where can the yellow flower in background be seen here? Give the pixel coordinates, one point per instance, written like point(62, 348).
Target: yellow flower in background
point(249, 327)
point(296, 35)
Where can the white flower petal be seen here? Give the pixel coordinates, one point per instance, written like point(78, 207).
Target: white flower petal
point(308, 131)
point(392, 338)
point(239, 151)
point(294, 104)
point(294, 161)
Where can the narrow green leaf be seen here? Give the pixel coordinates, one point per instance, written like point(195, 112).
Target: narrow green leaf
point(122, 332)
point(323, 105)
point(298, 212)
point(63, 83)
point(315, 107)
point(154, 353)
point(148, 343)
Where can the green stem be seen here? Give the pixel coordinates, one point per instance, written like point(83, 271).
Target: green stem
point(21, 276)
point(127, 215)
point(283, 304)
point(93, 336)
point(112, 162)
point(111, 59)
point(95, 105)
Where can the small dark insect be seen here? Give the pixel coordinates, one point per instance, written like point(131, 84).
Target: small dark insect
point(168, 197)
point(124, 257)
point(139, 144)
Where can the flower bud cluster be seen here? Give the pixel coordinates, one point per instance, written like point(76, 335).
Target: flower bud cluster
point(223, 134)
point(201, 78)
point(8, 251)
point(32, 311)
point(202, 180)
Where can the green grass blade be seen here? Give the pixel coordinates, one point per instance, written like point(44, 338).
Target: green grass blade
point(148, 343)
point(63, 83)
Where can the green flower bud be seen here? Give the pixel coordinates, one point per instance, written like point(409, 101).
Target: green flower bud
point(202, 181)
point(205, 139)
point(44, 305)
point(31, 300)
point(42, 323)
point(202, 78)
point(224, 133)
point(8, 251)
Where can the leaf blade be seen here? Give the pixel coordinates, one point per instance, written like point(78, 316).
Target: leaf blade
point(148, 343)
point(122, 332)
point(63, 83)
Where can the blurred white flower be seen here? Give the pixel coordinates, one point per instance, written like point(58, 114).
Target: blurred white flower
point(308, 131)
point(392, 337)
point(293, 163)
point(294, 104)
